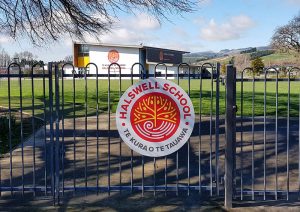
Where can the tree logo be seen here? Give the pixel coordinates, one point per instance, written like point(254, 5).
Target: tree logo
point(155, 117)
point(113, 56)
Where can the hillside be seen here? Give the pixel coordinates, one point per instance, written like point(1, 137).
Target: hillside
point(242, 59)
point(283, 59)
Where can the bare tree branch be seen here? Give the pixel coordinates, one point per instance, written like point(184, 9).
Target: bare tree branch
point(287, 38)
point(47, 20)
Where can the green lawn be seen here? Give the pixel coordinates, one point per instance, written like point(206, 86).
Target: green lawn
point(103, 96)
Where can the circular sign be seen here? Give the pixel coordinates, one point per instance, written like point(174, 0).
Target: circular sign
point(113, 56)
point(155, 117)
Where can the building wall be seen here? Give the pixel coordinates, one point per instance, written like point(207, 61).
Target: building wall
point(127, 57)
point(161, 69)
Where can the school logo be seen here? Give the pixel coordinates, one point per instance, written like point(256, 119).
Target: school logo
point(113, 56)
point(155, 117)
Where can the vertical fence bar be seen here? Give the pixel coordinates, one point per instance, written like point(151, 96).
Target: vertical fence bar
point(217, 124)
point(97, 124)
point(265, 134)
point(45, 131)
point(74, 130)
point(109, 120)
point(166, 157)
point(33, 133)
point(242, 141)
point(51, 131)
point(200, 129)
point(21, 126)
point(62, 154)
point(252, 155)
point(288, 138)
point(143, 158)
point(131, 151)
point(177, 152)
point(276, 141)
point(189, 141)
point(9, 133)
point(230, 124)
point(142, 76)
point(154, 159)
point(120, 140)
point(154, 176)
point(299, 148)
point(210, 133)
point(85, 130)
point(210, 125)
point(108, 141)
point(242, 130)
point(57, 133)
point(97, 115)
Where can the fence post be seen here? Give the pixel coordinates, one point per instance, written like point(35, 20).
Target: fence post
point(230, 127)
point(217, 125)
point(57, 133)
point(51, 133)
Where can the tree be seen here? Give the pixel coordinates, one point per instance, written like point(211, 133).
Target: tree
point(257, 65)
point(241, 61)
point(231, 61)
point(68, 59)
point(47, 20)
point(287, 38)
point(223, 69)
point(25, 58)
point(4, 58)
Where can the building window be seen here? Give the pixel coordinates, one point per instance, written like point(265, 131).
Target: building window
point(83, 51)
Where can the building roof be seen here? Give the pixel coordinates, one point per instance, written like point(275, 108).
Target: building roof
point(127, 46)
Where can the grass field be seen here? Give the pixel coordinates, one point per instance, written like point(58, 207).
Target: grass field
point(279, 58)
point(103, 96)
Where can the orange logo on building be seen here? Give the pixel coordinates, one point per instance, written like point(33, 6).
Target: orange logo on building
point(155, 117)
point(113, 56)
point(161, 55)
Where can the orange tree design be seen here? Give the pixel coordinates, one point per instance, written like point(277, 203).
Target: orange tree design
point(155, 108)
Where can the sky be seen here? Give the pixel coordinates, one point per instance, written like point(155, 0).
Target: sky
point(214, 25)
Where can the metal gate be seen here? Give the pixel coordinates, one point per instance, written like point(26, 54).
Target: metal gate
point(77, 147)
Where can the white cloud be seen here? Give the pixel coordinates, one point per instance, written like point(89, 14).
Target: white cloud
point(141, 21)
point(4, 39)
point(131, 30)
point(125, 36)
point(200, 20)
point(229, 30)
point(204, 2)
point(295, 2)
point(180, 32)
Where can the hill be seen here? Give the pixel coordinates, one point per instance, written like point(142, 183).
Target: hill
point(242, 57)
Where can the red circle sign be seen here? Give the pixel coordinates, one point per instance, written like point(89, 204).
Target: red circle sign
point(155, 117)
point(113, 56)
